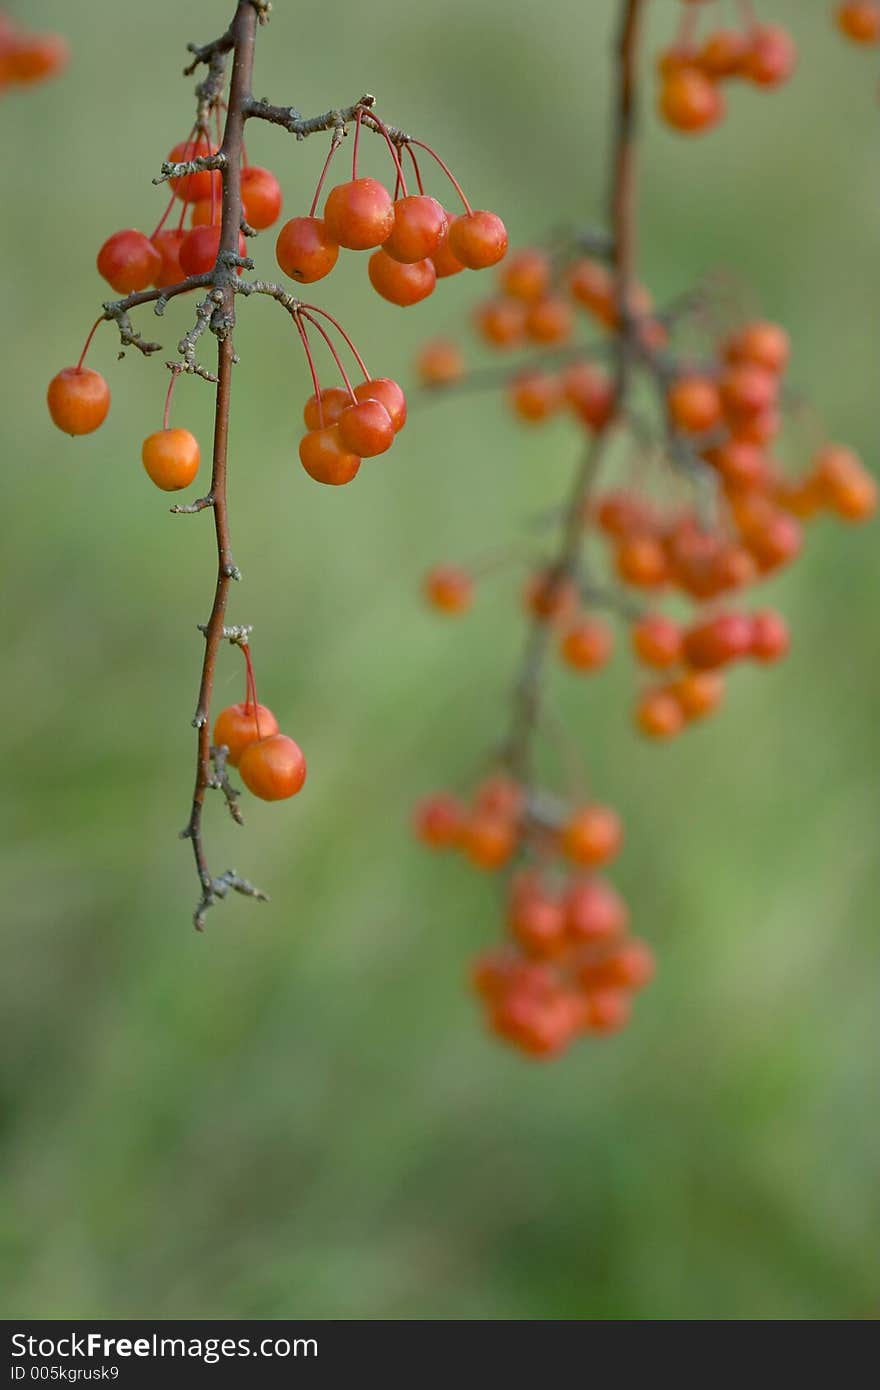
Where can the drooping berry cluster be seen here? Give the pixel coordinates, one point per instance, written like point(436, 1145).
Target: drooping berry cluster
point(415, 241)
point(714, 467)
point(27, 58)
point(220, 199)
point(693, 73)
point(569, 966)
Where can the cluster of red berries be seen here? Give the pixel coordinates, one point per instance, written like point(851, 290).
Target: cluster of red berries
point(569, 967)
point(131, 261)
point(415, 241)
point(27, 58)
point(859, 20)
point(726, 416)
point(692, 74)
point(271, 765)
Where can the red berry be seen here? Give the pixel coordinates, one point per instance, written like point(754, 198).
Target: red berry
point(200, 248)
point(305, 250)
point(526, 275)
point(657, 641)
point(359, 214)
point(747, 389)
point(723, 53)
point(501, 322)
point(445, 263)
point(440, 363)
point(273, 768)
point(860, 20)
point(699, 693)
point(31, 58)
point(592, 285)
point(366, 428)
point(550, 596)
point(549, 320)
point(764, 344)
point(593, 836)
point(334, 399)
point(449, 589)
point(326, 459)
point(478, 239)
point(398, 283)
point(193, 188)
point(590, 393)
point(129, 261)
point(534, 396)
point(419, 227)
point(844, 484)
point(771, 57)
point(694, 404)
point(168, 244)
point(770, 636)
point(171, 458)
point(641, 561)
point(438, 820)
point(488, 841)
point(239, 725)
point(260, 197)
point(587, 645)
point(724, 638)
point(690, 101)
point(595, 911)
point(382, 388)
point(78, 400)
point(537, 921)
point(659, 714)
point(607, 1011)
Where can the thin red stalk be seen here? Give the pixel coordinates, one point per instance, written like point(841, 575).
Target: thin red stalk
point(334, 146)
point(447, 171)
point(251, 686)
point(392, 147)
point(356, 143)
point(175, 373)
point(88, 342)
point(418, 173)
point(331, 345)
point(163, 219)
point(301, 330)
point(313, 308)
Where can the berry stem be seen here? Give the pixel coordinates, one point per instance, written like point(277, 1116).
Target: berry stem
point(383, 130)
point(250, 685)
point(334, 146)
point(88, 342)
point(304, 313)
point(356, 143)
point(175, 373)
point(313, 309)
point(416, 170)
point(301, 330)
point(419, 144)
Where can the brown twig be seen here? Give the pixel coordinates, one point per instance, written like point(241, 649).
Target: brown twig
point(517, 751)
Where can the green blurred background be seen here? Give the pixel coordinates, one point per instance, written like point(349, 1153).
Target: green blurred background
point(298, 1114)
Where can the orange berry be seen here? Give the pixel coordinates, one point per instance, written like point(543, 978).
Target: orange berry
point(359, 214)
point(594, 911)
point(419, 227)
point(747, 389)
point(240, 725)
point(537, 921)
point(526, 275)
point(534, 396)
point(78, 400)
point(550, 597)
point(593, 836)
point(723, 53)
point(762, 343)
point(129, 261)
point(607, 1011)
point(659, 714)
point(699, 693)
point(590, 393)
point(445, 263)
point(770, 636)
point(488, 841)
point(437, 821)
point(326, 459)
point(260, 197)
point(449, 589)
point(366, 429)
point(860, 20)
point(694, 404)
point(193, 188)
point(305, 250)
point(641, 561)
point(171, 458)
point(440, 363)
point(690, 101)
point(31, 58)
point(587, 645)
point(168, 244)
point(399, 283)
point(844, 484)
point(382, 388)
point(478, 239)
point(501, 322)
point(592, 284)
point(334, 399)
point(656, 641)
point(549, 320)
point(771, 57)
point(273, 768)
